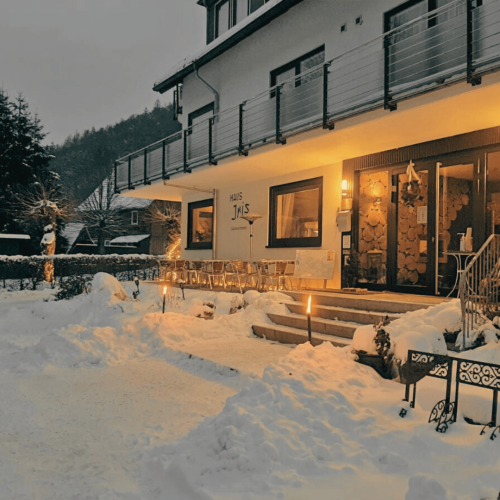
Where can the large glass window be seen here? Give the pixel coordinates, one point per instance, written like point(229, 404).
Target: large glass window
point(296, 214)
point(200, 224)
point(298, 66)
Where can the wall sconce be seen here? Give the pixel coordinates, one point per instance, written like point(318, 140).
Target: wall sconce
point(346, 196)
point(378, 201)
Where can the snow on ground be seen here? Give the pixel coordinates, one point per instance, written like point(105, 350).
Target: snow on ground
point(104, 397)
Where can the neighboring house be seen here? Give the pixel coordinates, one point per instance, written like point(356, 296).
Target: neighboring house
point(130, 228)
point(14, 244)
point(71, 232)
point(368, 126)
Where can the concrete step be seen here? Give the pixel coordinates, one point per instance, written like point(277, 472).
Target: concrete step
point(318, 325)
point(291, 335)
point(341, 314)
point(375, 303)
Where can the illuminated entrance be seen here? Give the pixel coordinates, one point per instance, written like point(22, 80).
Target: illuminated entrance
point(411, 219)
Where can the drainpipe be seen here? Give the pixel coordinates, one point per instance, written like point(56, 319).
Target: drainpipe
point(215, 93)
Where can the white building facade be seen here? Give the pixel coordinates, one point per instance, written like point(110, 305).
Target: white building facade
point(298, 110)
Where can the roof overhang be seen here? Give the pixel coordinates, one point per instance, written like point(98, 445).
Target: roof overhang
point(234, 36)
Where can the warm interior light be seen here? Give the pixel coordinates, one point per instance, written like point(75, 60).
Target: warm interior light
point(344, 185)
point(165, 290)
point(309, 305)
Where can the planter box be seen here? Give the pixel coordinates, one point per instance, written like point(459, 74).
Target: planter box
point(376, 362)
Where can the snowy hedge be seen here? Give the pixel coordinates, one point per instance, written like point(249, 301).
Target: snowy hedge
point(31, 268)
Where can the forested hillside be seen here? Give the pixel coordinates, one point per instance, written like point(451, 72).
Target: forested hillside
point(84, 160)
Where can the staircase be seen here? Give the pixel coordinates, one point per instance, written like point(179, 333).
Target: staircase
point(335, 316)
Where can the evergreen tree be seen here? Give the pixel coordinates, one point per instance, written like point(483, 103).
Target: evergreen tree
point(29, 191)
point(23, 159)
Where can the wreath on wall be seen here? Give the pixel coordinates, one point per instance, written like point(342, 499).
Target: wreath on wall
point(410, 192)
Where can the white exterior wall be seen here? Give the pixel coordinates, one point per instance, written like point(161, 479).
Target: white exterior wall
point(244, 70)
point(233, 234)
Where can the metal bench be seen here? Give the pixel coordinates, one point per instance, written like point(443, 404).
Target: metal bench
point(475, 373)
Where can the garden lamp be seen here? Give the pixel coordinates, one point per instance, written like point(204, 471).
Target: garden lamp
point(251, 218)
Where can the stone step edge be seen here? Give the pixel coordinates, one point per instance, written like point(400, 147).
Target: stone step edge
point(316, 319)
point(359, 299)
point(392, 316)
point(291, 335)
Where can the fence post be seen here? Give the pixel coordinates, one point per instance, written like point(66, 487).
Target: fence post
point(279, 139)
point(473, 80)
point(326, 125)
point(211, 160)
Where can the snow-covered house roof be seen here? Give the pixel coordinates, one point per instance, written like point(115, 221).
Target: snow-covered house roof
point(71, 232)
point(132, 238)
point(262, 16)
point(9, 236)
point(118, 202)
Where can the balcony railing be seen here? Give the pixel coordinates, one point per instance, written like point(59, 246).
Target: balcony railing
point(459, 41)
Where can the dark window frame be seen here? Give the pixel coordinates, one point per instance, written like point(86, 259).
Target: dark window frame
point(232, 19)
point(294, 187)
point(198, 245)
point(136, 212)
point(431, 5)
point(199, 112)
point(294, 64)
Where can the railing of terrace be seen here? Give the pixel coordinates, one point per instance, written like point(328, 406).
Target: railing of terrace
point(459, 41)
point(479, 287)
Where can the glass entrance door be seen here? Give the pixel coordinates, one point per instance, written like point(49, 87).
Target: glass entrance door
point(414, 236)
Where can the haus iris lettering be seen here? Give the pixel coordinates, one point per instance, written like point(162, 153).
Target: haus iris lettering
point(240, 207)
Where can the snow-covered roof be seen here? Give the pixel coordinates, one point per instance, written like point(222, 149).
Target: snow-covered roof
point(14, 236)
point(71, 232)
point(117, 203)
point(253, 22)
point(131, 238)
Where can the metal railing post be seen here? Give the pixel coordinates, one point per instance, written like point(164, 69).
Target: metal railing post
point(241, 149)
point(473, 80)
point(211, 160)
point(326, 125)
point(146, 182)
point(186, 168)
point(279, 139)
point(163, 170)
point(391, 106)
point(130, 173)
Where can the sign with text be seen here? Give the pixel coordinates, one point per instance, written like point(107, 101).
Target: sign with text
point(314, 264)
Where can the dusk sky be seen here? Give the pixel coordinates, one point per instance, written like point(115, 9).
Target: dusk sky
point(90, 63)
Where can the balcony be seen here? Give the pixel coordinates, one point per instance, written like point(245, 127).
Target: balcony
point(455, 43)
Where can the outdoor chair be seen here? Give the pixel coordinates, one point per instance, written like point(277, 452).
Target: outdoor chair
point(214, 271)
point(235, 274)
point(165, 270)
point(193, 271)
point(179, 270)
point(274, 275)
point(252, 275)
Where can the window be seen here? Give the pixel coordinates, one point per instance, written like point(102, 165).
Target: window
point(294, 68)
point(231, 12)
point(296, 214)
point(201, 114)
point(200, 224)
point(107, 243)
point(135, 217)
point(223, 17)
